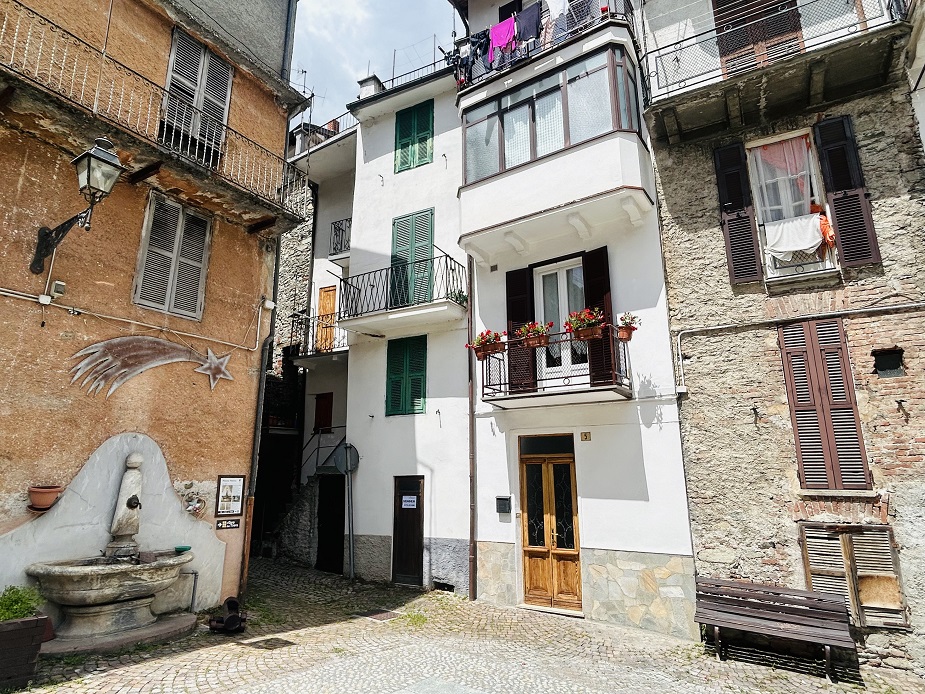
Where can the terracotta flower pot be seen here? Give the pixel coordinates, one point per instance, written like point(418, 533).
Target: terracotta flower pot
point(625, 333)
point(483, 351)
point(592, 333)
point(536, 340)
point(42, 496)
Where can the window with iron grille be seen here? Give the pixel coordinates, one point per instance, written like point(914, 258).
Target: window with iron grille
point(588, 98)
point(859, 563)
point(198, 95)
point(414, 136)
point(174, 259)
point(406, 376)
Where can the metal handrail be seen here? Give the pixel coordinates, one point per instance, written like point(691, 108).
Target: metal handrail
point(758, 39)
point(340, 236)
point(341, 124)
point(316, 435)
point(412, 75)
point(320, 334)
point(402, 285)
point(48, 56)
point(598, 362)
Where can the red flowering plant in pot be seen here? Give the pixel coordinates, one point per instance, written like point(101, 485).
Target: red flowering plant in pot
point(586, 324)
point(626, 326)
point(487, 342)
point(534, 334)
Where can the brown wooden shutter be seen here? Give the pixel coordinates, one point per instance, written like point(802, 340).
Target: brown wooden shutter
point(820, 390)
point(847, 196)
point(880, 597)
point(595, 268)
point(737, 215)
point(521, 361)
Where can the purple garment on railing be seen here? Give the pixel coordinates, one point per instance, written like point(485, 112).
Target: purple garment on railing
point(502, 36)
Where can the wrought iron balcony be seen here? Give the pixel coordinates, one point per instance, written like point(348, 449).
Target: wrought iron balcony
point(319, 334)
point(580, 17)
point(565, 365)
point(48, 56)
point(403, 285)
point(744, 36)
point(340, 236)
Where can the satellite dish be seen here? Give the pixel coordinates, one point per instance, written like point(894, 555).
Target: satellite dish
point(345, 458)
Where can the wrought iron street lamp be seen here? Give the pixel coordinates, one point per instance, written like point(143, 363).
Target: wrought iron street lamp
point(98, 170)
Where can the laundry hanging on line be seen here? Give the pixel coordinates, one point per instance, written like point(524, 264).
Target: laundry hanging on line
point(528, 23)
point(502, 37)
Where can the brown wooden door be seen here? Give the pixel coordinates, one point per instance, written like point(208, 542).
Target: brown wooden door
point(324, 330)
point(324, 412)
point(549, 518)
point(408, 531)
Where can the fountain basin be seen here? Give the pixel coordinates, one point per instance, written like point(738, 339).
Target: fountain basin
point(101, 580)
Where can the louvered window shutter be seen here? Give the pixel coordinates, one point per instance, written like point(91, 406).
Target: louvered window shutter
point(847, 196)
point(737, 214)
point(185, 78)
point(424, 133)
point(216, 93)
point(191, 267)
point(422, 251)
point(156, 281)
point(827, 432)
point(596, 272)
point(404, 139)
point(400, 270)
point(417, 374)
point(825, 561)
point(395, 377)
point(521, 361)
point(880, 598)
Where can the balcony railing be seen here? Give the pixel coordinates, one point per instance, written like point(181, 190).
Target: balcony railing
point(340, 236)
point(50, 57)
point(335, 126)
point(403, 285)
point(413, 75)
point(581, 16)
point(564, 365)
point(742, 41)
point(319, 333)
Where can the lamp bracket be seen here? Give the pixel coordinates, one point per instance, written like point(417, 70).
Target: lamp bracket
point(49, 239)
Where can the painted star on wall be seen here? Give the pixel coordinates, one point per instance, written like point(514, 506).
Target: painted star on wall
point(113, 362)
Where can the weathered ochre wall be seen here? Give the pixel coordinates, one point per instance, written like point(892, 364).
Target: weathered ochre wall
point(140, 36)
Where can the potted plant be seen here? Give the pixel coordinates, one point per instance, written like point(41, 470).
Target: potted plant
point(459, 296)
point(42, 496)
point(626, 326)
point(534, 334)
point(487, 342)
point(21, 634)
point(586, 324)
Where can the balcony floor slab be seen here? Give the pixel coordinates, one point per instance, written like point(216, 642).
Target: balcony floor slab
point(406, 320)
point(578, 396)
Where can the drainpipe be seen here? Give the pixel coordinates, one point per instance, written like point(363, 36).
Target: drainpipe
point(472, 482)
point(258, 428)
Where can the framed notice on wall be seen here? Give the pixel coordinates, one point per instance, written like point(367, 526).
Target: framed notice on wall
point(229, 499)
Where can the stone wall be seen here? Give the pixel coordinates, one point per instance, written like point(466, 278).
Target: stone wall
point(497, 573)
point(640, 589)
point(446, 560)
point(373, 554)
point(298, 533)
point(737, 436)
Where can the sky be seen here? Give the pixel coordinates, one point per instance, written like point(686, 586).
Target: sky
point(338, 42)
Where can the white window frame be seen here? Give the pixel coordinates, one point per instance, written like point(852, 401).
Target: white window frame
point(778, 269)
point(578, 374)
point(142, 252)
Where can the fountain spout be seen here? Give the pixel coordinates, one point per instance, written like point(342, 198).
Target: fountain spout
point(125, 518)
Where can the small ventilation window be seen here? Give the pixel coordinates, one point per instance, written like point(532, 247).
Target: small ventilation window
point(888, 363)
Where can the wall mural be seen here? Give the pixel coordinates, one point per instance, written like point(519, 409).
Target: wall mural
point(113, 362)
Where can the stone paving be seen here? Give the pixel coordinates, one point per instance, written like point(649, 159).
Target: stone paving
point(303, 635)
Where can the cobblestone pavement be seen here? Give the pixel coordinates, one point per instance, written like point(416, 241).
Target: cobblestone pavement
point(303, 635)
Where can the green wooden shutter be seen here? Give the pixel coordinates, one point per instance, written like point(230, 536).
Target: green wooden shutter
point(396, 359)
point(424, 133)
point(422, 253)
point(404, 139)
point(417, 374)
point(402, 247)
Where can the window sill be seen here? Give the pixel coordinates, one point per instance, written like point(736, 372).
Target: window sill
point(839, 493)
point(819, 278)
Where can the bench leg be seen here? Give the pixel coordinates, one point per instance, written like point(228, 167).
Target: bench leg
point(717, 643)
point(829, 673)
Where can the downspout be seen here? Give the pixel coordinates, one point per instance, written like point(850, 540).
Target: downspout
point(258, 429)
point(473, 584)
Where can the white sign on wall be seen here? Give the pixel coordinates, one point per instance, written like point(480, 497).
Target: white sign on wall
point(409, 502)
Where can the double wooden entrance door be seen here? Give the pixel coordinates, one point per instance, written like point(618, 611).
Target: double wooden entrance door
point(549, 517)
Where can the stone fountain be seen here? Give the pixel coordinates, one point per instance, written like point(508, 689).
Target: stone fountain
point(112, 593)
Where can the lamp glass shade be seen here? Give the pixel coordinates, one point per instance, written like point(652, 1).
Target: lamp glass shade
point(98, 169)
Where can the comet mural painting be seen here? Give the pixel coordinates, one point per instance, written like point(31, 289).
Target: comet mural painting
point(113, 362)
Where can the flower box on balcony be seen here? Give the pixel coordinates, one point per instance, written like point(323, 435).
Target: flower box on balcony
point(536, 341)
point(482, 351)
point(592, 333)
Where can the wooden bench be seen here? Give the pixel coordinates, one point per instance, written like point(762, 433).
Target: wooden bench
point(803, 615)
